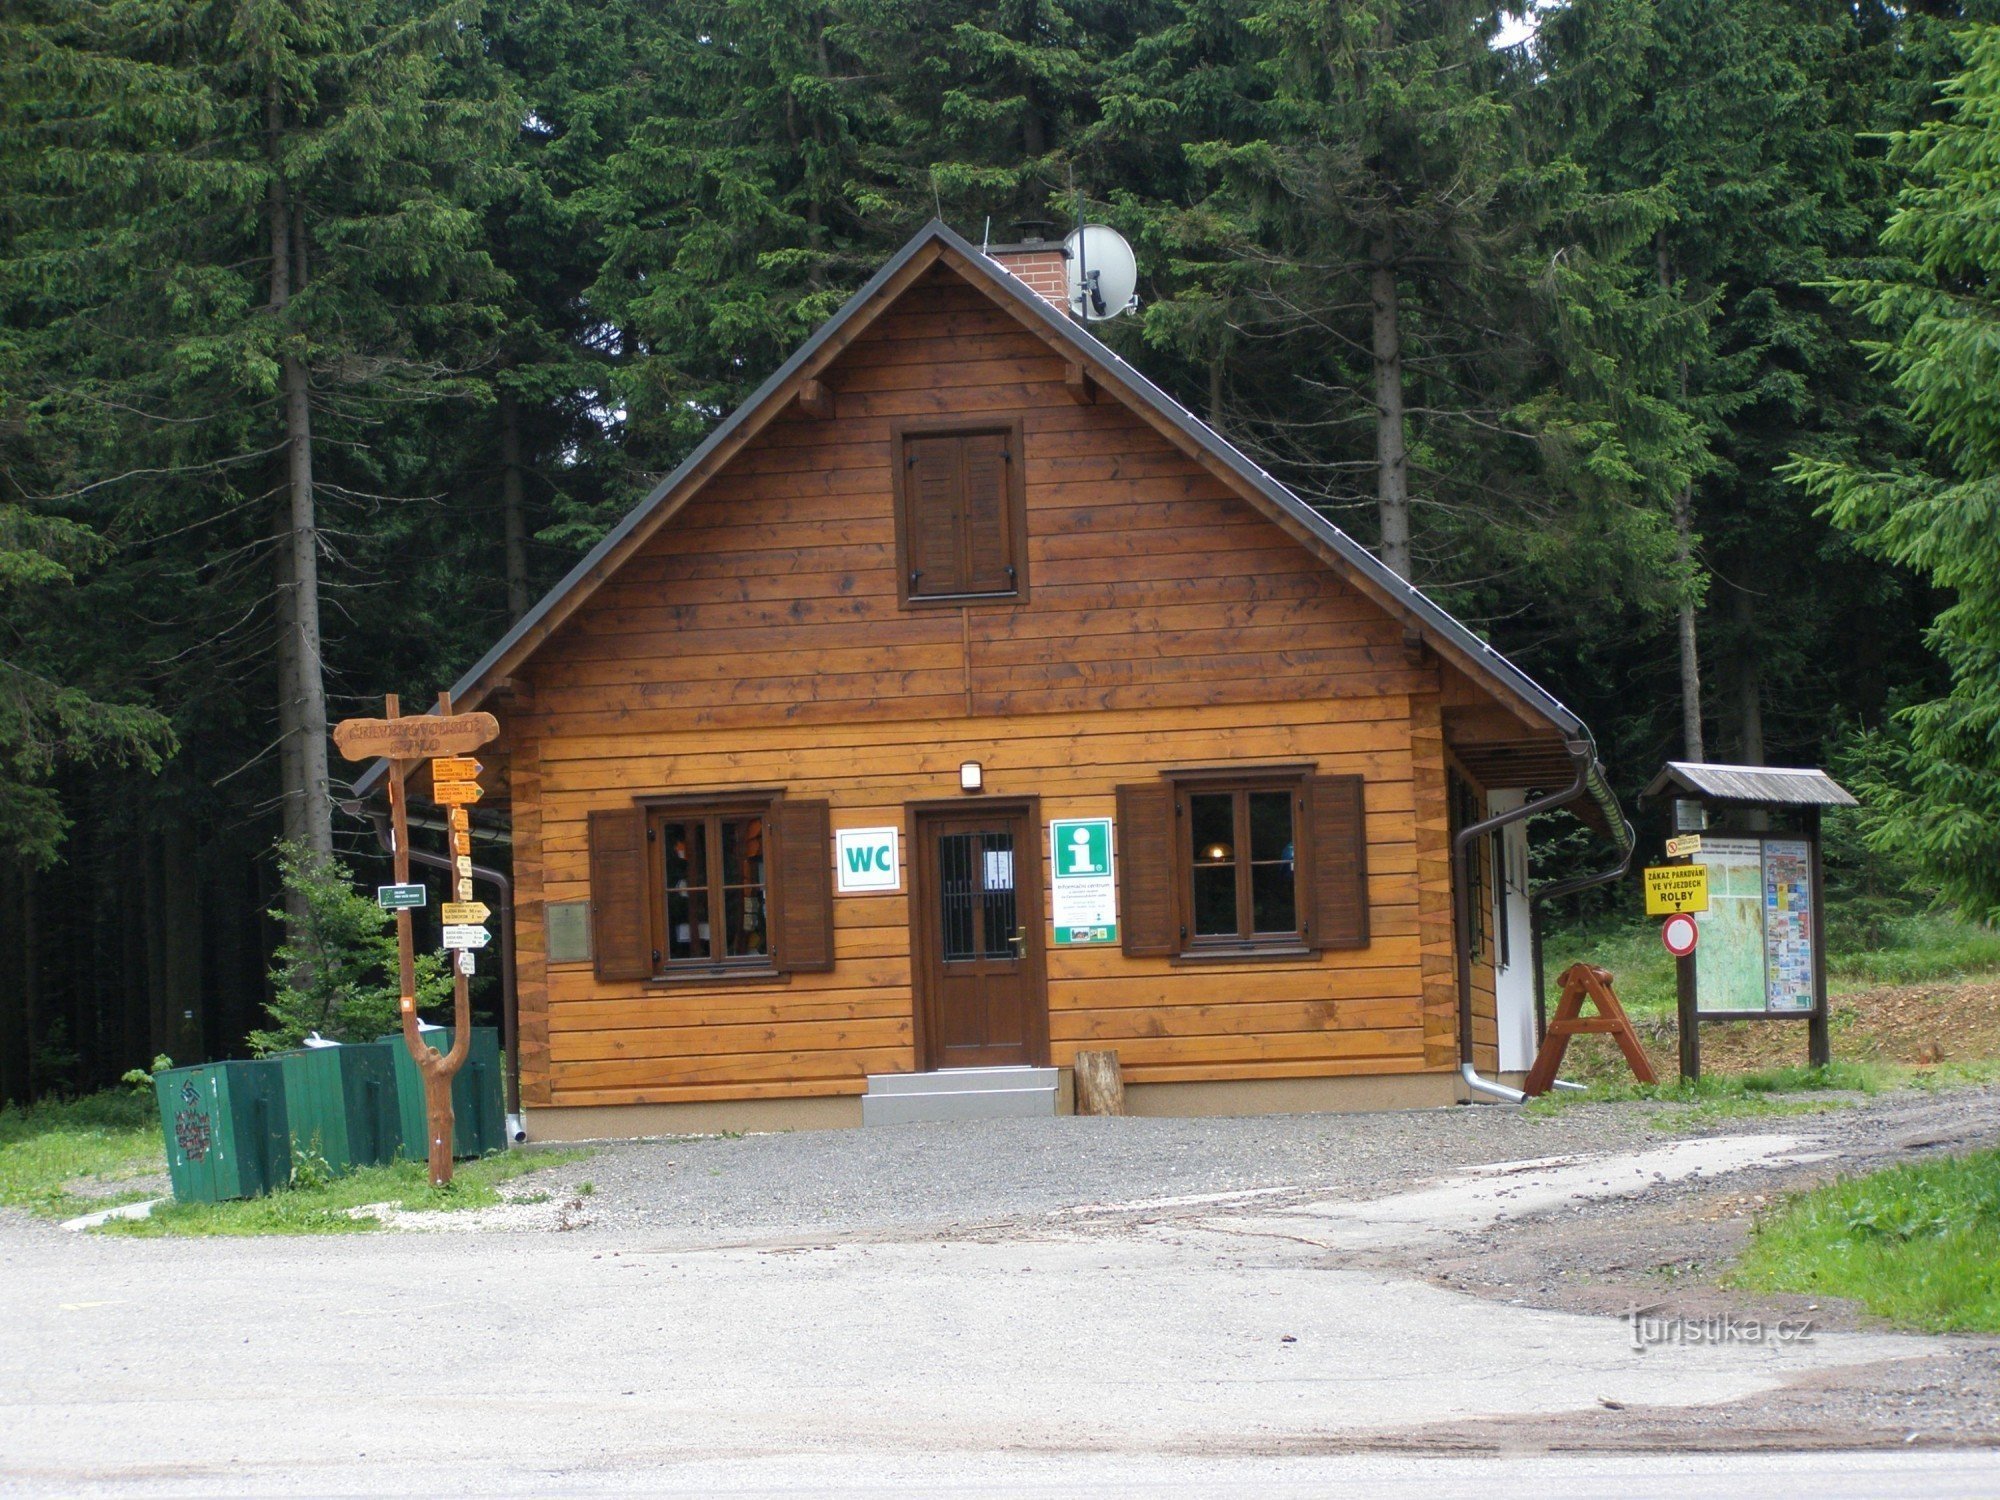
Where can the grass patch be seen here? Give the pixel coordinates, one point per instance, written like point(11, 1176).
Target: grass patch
point(108, 1136)
point(1927, 948)
point(1913, 1244)
point(1712, 1099)
point(324, 1208)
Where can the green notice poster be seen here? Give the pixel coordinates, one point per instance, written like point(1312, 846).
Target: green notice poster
point(1083, 881)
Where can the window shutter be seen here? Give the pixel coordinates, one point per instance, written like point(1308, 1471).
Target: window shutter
point(988, 501)
point(931, 522)
point(802, 925)
point(621, 921)
point(1337, 836)
point(1146, 870)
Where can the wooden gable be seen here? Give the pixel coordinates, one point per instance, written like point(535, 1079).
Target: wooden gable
point(774, 592)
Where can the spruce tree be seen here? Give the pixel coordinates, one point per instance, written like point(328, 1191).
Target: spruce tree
point(247, 239)
point(1936, 306)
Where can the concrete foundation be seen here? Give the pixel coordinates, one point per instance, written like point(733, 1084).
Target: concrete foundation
point(1259, 1096)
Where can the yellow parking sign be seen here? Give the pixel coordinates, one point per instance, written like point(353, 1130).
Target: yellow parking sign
point(1672, 888)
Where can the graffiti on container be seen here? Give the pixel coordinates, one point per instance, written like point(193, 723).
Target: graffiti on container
point(191, 1127)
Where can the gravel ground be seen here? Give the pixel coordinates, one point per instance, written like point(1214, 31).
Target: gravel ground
point(939, 1178)
point(942, 1178)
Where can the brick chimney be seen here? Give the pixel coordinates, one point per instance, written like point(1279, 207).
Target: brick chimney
point(1038, 262)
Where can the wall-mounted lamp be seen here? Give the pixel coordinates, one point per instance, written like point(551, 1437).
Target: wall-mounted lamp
point(970, 777)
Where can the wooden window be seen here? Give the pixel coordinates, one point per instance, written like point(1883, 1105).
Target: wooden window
point(961, 527)
point(711, 888)
point(1240, 877)
point(1221, 863)
point(693, 889)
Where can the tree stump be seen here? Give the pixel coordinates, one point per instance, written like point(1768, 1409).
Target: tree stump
point(1100, 1086)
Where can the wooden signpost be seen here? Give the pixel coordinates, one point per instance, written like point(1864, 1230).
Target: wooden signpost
point(402, 741)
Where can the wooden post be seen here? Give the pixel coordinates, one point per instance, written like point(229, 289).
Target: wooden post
point(402, 742)
point(1100, 1084)
point(435, 1069)
point(1819, 1037)
point(1690, 1024)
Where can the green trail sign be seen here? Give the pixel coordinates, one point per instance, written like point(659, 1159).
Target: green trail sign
point(399, 897)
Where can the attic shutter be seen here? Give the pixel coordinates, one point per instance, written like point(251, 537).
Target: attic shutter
point(1338, 837)
point(931, 524)
point(988, 493)
point(802, 924)
point(1146, 866)
point(621, 925)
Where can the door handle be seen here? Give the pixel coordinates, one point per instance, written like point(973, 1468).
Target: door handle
point(1020, 942)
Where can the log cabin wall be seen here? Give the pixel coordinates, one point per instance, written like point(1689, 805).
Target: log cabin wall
point(758, 641)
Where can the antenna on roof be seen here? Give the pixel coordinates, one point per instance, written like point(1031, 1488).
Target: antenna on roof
point(986, 235)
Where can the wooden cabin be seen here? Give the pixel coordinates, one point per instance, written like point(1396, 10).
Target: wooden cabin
point(956, 582)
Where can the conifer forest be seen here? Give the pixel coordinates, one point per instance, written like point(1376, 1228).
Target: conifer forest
point(1656, 339)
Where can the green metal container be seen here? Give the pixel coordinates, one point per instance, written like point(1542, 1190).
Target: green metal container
point(226, 1130)
point(341, 1103)
point(479, 1123)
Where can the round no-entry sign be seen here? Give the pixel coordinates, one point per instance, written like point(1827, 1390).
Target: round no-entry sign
point(1680, 933)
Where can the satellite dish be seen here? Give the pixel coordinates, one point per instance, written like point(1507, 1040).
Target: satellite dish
point(1102, 275)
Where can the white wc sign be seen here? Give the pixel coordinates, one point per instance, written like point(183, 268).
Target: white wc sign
point(866, 859)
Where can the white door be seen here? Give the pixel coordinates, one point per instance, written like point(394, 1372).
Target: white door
point(1513, 950)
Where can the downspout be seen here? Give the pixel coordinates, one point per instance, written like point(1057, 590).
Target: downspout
point(1589, 778)
point(510, 1011)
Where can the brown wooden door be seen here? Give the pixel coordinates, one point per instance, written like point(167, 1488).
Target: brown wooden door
point(976, 918)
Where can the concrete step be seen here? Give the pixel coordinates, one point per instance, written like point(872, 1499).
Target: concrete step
point(989, 1104)
point(962, 1081)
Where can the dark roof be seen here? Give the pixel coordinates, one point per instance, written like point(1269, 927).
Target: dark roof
point(1771, 786)
point(1109, 369)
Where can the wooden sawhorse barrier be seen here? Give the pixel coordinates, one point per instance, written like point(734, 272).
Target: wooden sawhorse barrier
point(1582, 982)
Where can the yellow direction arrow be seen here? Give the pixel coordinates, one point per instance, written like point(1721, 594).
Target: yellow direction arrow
point(455, 768)
point(455, 793)
point(465, 913)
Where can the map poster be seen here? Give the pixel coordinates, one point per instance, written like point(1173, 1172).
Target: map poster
point(1756, 953)
point(1729, 964)
point(1788, 915)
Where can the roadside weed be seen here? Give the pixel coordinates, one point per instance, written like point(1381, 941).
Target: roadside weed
point(327, 1207)
point(109, 1136)
point(1913, 1244)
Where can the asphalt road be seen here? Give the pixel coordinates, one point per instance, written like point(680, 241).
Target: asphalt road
point(1242, 1332)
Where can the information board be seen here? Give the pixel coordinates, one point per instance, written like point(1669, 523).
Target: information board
point(1083, 881)
point(1756, 952)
